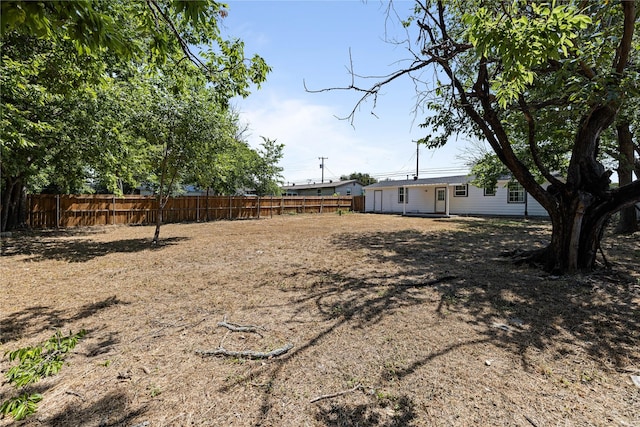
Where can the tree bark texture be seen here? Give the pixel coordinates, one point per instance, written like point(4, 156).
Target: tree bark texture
point(628, 222)
point(12, 214)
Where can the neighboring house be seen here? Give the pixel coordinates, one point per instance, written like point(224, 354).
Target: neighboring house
point(192, 190)
point(453, 195)
point(187, 190)
point(342, 188)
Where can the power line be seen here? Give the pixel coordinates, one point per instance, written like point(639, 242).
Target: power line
point(402, 174)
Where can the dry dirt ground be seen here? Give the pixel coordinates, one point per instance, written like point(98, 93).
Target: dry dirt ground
point(394, 321)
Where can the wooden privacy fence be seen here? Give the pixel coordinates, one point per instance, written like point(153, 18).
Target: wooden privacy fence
point(48, 210)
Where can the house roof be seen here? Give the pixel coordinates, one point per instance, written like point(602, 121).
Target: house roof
point(320, 185)
point(446, 180)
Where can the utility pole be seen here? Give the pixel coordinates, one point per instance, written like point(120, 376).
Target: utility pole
point(417, 156)
point(322, 159)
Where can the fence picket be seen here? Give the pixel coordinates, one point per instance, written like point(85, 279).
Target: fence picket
point(49, 210)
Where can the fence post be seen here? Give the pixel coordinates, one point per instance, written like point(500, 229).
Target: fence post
point(30, 199)
point(230, 207)
point(57, 211)
point(321, 203)
point(258, 207)
point(206, 204)
point(271, 207)
point(198, 208)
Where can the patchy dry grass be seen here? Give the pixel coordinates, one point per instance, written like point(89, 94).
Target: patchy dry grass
point(418, 321)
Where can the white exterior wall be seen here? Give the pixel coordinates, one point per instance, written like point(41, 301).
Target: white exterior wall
point(419, 200)
point(476, 203)
point(422, 200)
point(389, 200)
point(368, 200)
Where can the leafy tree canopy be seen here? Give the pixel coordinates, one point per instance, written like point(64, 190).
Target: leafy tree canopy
point(83, 84)
point(363, 178)
point(540, 82)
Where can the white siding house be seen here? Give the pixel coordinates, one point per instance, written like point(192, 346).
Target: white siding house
point(453, 195)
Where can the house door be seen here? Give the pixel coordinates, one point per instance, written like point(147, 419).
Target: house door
point(441, 199)
point(377, 201)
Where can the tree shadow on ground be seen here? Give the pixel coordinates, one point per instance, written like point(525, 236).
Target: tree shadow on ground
point(63, 249)
point(358, 302)
point(398, 413)
point(516, 308)
point(109, 411)
point(38, 319)
point(519, 307)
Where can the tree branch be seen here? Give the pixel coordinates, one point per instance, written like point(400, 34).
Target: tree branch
point(533, 147)
point(234, 327)
point(340, 393)
point(183, 44)
point(622, 53)
point(249, 354)
point(373, 90)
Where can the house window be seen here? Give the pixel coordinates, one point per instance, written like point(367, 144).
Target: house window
point(348, 191)
point(460, 191)
point(319, 192)
point(516, 193)
point(490, 191)
point(403, 197)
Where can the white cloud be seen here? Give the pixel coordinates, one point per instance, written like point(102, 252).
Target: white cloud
point(310, 131)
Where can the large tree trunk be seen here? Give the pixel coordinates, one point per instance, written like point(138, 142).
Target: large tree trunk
point(573, 245)
point(581, 207)
point(628, 222)
point(577, 229)
point(579, 223)
point(12, 214)
point(6, 203)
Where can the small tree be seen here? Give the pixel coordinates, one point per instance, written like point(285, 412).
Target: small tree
point(267, 175)
point(187, 129)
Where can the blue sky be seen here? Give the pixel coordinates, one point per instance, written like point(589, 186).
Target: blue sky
point(309, 42)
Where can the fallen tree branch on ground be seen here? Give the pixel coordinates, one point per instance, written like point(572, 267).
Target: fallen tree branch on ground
point(340, 393)
point(249, 354)
point(240, 328)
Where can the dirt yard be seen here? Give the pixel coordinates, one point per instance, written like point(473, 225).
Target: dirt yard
point(393, 321)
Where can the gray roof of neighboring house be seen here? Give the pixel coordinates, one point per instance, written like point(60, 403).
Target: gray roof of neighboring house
point(320, 185)
point(448, 180)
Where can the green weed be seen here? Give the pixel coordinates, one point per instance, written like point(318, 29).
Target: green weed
point(34, 364)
